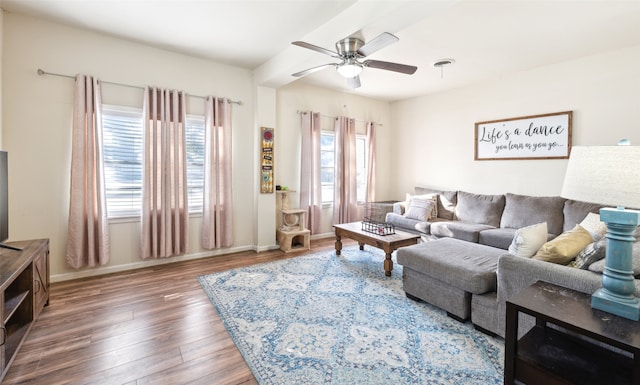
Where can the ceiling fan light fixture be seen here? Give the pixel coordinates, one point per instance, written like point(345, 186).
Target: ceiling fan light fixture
point(443, 63)
point(349, 70)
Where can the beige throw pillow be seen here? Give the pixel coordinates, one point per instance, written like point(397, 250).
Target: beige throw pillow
point(433, 197)
point(420, 208)
point(565, 247)
point(527, 240)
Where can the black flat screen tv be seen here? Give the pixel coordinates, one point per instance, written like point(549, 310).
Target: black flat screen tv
point(4, 200)
point(4, 197)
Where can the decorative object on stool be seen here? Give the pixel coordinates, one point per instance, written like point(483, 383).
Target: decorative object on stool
point(293, 234)
point(610, 175)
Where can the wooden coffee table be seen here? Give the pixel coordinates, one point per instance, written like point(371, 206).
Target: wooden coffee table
point(388, 243)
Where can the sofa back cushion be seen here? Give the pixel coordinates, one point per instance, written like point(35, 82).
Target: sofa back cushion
point(479, 208)
point(446, 201)
point(576, 211)
point(523, 210)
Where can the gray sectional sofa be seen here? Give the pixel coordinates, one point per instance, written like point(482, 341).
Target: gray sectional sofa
point(464, 267)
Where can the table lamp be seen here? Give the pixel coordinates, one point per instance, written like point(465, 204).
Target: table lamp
point(610, 175)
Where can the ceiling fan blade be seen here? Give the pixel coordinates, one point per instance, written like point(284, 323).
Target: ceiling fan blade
point(314, 69)
point(354, 82)
point(316, 48)
point(396, 67)
point(378, 43)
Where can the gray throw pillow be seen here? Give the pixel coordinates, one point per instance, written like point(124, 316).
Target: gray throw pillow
point(575, 211)
point(592, 253)
point(446, 201)
point(480, 208)
point(524, 210)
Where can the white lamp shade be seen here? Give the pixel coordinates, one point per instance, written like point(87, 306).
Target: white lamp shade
point(350, 70)
point(607, 175)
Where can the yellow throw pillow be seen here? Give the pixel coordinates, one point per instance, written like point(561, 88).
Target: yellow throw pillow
point(564, 248)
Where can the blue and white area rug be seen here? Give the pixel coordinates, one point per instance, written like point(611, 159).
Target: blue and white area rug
point(327, 319)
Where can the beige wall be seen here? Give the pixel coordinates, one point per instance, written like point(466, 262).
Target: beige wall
point(434, 145)
point(299, 97)
point(37, 121)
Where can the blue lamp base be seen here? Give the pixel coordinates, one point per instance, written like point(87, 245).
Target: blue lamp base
point(616, 295)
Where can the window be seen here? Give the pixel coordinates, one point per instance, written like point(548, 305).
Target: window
point(122, 137)
point(327, 157)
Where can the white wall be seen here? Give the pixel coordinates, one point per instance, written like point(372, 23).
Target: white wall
point(264, 225)
point(37, 127)
point(434, 144)
point(299, 97)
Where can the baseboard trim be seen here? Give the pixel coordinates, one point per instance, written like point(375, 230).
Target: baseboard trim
point(162, 261)
point(146, 263)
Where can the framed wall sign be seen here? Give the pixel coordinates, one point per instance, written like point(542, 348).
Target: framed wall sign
point(266, 160)
point(546, 136)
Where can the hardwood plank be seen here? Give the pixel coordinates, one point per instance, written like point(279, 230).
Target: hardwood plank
point(148, 326)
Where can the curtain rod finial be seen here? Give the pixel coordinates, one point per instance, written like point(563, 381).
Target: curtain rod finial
point(40, 72)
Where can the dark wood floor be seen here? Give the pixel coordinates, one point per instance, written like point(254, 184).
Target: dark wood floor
point(148, 326)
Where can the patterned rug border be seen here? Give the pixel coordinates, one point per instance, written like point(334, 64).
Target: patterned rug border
point(489, 350)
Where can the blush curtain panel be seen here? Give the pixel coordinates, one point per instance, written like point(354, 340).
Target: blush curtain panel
point(310, 183)
point(217, 218)
point(165, 213)
point(88, 227)
point(371, 162)
point(345, 197)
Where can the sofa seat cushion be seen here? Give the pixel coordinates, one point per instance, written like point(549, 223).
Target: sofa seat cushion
point(407, 224)
point(523, 210)
point(468, 266)
point(500, 238)
point(480, 208)
point(466, 231)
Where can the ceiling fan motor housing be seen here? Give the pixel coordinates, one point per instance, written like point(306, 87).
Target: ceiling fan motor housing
point(348, 48)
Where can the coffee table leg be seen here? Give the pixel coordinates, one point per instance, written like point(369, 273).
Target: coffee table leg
point(338, 244)
point(388, 264)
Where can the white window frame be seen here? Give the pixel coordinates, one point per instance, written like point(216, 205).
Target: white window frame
point(134, 117)
point(363, 160)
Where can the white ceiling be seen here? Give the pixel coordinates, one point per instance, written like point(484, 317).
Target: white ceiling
point(487, 39)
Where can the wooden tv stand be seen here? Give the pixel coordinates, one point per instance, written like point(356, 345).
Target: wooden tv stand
point(24, 292)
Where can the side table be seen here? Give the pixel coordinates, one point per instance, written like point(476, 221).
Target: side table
point(547, 355)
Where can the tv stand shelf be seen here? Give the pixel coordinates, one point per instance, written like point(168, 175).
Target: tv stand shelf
point(24, 291)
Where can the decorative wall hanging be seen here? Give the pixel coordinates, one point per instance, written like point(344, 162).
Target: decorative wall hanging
point(546, 136)
point(266, 160)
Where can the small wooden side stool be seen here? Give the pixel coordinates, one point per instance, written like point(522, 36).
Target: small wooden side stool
point(294, 240)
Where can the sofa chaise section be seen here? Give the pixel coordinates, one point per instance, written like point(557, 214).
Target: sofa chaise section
point(447, 272)
point(464, 267)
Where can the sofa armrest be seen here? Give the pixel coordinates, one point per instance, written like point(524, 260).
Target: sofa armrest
point(400, 207)
point(517, 273)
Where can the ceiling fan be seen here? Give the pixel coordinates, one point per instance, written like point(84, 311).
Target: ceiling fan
point(350, 51)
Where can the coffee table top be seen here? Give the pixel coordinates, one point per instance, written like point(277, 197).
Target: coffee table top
point(356, 228)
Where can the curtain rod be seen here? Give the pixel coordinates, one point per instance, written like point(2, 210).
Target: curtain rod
point(42, 72)
point(335, 117)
